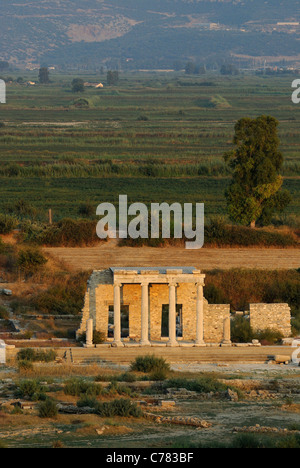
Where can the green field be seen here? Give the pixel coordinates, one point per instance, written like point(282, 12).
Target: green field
point(158, 137)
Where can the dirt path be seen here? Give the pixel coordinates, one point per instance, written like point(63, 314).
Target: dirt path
point(109, 255)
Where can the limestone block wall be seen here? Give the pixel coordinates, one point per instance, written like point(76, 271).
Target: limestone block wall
point(97, 299)
point(273, 316)
point(132, 296)
point(187, 295)
point(85, 314)
point(104, 298)
point(159, 295)
point(214, 317)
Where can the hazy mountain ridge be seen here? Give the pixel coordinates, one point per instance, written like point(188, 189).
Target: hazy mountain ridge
point(143, 32)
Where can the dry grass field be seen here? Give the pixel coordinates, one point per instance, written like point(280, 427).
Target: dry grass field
point(109, 255)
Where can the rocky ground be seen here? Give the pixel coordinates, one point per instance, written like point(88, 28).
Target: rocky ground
point(257, 400)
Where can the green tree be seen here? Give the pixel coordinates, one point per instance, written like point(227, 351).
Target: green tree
point(44, 75)
point(229, 69)
point(112, 78)
point(255, 192)
point(77, 85)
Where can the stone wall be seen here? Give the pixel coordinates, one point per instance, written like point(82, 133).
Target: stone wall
point(273, 316)
point(159, 295)
point(131, 295)
point(214, 317)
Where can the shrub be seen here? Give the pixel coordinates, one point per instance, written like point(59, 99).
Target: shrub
point(116, 388)
point(219, 233)
point(65, 298)
point(87, 402)
point(78, 387)
point(70, 233)
point(290, 442)
point(203, 384)
point(214, 295)
point(28, 388)
point(268, 336)
point(30, 355)
point(7, 224)
point(122, 407)
point(4, 315)
point(127, 377)
point(149, 363)
point(46, 356)
point(48, 409)
point(58, 444)
point(159, 374)
point(25, 365)
point(105, 377)
point(31, 260)
point(98, 337)
point(241, 331)
point(26, 354)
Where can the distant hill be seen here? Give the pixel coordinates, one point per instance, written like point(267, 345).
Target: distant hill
point(145, 33)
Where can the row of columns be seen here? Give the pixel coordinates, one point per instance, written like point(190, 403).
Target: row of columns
point(172, 315)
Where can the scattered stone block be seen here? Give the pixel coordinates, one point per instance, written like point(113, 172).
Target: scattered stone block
point(281, 359)
point(167, 403)
point(232, 395)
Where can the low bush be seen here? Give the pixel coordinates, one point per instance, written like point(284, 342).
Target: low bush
point(106, 378)
point(29, 388)
point(127, 377)
point(70, 233)
point(7, 224)
point(79, 387)
point(219, 233)
point(48, 409)
point(98, 337)
point(119, 389)
point(4, 315)
point(149, 363)
point(203, 384)
point(158, 375)
point(31, 260)
point(241, 330)
point(25, 366)
point(64, 298)
point(269, 337)
point(87, 402)
point(26, 354)
point(121, 407)
point(30, 355)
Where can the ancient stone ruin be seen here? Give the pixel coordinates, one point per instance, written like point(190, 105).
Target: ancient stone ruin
point(164, 306)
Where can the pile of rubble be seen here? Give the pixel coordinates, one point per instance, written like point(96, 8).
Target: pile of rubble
point(261, 429)
point(181, 420)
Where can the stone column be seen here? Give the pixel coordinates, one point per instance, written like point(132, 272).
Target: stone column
point(89, 333)
point(117, 315)
point(145, 315)
point(172, 315)
point(227, 332)
point(199, 316)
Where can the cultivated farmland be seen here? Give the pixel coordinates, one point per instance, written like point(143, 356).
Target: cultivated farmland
point(154, 137)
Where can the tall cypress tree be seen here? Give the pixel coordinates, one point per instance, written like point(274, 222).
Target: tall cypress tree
point(255, 192)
